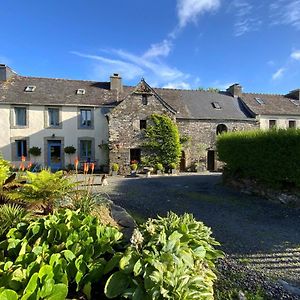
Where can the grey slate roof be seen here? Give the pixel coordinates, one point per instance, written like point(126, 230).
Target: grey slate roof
point(273, 104)
point(51, 91)
point(189, 104)
point(193, 104)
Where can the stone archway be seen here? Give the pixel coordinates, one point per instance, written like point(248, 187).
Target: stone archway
point(221, 128)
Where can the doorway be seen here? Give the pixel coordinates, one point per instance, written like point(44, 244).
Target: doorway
point(182, 162)
point(135, 155)
point(54, 158)
point(211, 160)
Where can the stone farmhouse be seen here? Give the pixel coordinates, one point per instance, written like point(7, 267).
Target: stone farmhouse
point(104, 121)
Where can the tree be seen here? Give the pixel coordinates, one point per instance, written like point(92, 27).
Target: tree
point(162, 143)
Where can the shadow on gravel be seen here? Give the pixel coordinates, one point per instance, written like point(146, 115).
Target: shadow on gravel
point(253, 230)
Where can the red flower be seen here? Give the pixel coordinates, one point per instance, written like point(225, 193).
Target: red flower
point(76, 162)
point(92, 167)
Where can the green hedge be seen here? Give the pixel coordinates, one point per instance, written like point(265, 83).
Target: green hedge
point(271, 157)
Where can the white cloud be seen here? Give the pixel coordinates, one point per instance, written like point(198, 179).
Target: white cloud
point(222, 85)
point(177, 85)
point(278, 74)
point(159, 49)
point(286, 12)
point(108, 66)
point(295, 55)
point(133, 67)
point(245, 22)
point(162, 71)
point(189, 10)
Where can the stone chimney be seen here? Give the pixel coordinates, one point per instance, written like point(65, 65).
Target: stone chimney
point(295, 94)
point(5, 72)
point(235, 90)
point(116, 82)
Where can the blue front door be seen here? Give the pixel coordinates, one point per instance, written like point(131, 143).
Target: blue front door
point(54, 155)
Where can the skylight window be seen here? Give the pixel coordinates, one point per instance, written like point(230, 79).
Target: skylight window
point(259, 101)
point(216, 105)
point(30, 88)
point(80, 92)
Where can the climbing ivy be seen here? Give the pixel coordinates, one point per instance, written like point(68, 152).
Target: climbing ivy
point(162, 143)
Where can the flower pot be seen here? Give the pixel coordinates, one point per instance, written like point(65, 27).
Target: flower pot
point(159, 172)
point(114, 173)
point(174, 171)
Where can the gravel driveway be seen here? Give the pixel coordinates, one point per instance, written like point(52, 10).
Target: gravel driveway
point(258, 233)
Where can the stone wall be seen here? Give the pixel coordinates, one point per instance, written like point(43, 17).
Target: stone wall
point(202, 138)
point(124, 126)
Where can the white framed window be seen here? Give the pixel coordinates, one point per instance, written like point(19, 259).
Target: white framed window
point(53, 117)
point(21, 148)
point(20, 116)
point(86, 118)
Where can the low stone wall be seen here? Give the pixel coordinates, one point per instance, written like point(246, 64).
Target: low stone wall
point(251, 187)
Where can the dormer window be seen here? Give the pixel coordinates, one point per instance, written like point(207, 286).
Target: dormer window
point(144, 99)
point(216, 105)
point(80, 92)
point(30, 88)
point(259, 101)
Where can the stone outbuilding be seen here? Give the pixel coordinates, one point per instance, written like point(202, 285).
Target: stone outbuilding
point(200, 117)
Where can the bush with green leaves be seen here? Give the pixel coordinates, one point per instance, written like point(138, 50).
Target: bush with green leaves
point(44, 189)
point(159, 167)
point(170, 258)
point(270, 157)
point(162, 143)
point(4, 170)
point(63, 254)
point(35, 151)
point(8, 181)
point(10, 215)
point(115, 167)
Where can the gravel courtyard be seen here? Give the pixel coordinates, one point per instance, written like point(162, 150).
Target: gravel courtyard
point(257, 233)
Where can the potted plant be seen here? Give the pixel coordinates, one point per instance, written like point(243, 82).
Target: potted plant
point(114, 169)
point(70, 150)
point(159, 168)
point(173, 168)
point(133, 168)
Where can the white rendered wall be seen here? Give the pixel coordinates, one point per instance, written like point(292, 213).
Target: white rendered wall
point(37, 131)
point(281, 121)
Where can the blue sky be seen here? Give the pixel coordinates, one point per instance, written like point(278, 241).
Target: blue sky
point(171, 43)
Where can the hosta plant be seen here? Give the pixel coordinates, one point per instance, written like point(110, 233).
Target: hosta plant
point(55, 256)
point(169, 258)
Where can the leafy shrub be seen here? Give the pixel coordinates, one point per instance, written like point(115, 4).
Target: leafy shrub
point(170, 258)
point(44, 188)
point(115, 167)
point(4, 170)
point(10, 215)
point(56, 255)
point(159, 167)
point(162, 143)
point(173, 166)
point(270, 157)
